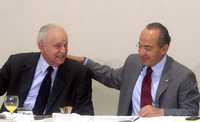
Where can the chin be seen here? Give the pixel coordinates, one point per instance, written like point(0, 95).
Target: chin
point(146, 64)
point(59, 63)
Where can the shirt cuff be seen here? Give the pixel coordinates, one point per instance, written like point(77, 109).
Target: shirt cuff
point(85, 61)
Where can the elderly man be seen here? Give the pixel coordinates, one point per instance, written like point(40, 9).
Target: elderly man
point(151, 83)
point(45, 81)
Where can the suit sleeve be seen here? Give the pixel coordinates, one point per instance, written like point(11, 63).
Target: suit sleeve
point(188, 98)
point(83, 100)
point(5, 76)
point(105, 74)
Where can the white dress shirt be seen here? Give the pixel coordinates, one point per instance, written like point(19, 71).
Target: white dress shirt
point(156, 75)
point(39, 75)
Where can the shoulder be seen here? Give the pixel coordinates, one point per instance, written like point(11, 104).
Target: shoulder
point(133, 56)
point(133, 59)
point(75, 69)
point(17, 62)
point(74, 65)
point(177, 65)
point(24, 56)
point(178, 69)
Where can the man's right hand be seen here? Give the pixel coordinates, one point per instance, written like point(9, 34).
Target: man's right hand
point(150, 111)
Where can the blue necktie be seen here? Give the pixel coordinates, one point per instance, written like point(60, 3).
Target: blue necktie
point(43, 94)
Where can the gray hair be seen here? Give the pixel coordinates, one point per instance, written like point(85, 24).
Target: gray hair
point(164, 34)
point(44, 31)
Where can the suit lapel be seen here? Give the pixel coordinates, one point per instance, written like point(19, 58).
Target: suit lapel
point(164, 80)
point(59, 85)
point(27, 74)
point(133, 78)
point(132, 74)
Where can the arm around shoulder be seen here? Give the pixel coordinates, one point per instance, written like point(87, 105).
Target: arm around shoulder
point(5, 76)
point(105, 74)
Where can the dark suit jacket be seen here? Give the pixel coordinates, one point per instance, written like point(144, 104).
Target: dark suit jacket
point(177, 92)
point(72, 85)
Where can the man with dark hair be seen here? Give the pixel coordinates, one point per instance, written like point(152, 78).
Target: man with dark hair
point(151, 83)
point(45, 81)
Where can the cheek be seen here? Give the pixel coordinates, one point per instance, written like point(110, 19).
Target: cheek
point(156, 57)
point(148, 58)
point(53, 52)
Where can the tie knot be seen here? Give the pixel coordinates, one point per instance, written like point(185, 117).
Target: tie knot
point(50, 69)
point(149, 70)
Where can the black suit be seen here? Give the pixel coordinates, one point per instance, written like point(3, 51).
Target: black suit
point(72, 85)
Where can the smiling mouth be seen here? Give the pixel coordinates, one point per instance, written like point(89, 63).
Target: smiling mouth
point(61, 56)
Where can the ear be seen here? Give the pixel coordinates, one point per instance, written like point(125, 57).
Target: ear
point(40, 45)
point(165, 49)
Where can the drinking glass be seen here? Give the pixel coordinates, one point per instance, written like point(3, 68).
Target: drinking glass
point(66, 109)
point(11, 103)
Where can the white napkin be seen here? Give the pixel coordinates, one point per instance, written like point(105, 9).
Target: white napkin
point(19, 117)
point(59, 117)
point(161, 119)
point(111, 118)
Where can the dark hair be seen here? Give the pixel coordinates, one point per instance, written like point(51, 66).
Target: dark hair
point(164, 35)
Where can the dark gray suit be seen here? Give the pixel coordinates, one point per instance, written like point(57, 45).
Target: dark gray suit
point(177, 92)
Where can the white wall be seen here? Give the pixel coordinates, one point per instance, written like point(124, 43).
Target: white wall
point(105, 30)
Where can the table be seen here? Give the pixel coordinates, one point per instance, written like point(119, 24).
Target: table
point(58, 117)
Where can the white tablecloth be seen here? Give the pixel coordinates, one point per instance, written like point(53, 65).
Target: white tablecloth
point(58, 117)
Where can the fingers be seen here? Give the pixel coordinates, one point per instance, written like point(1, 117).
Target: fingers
point(76, 58)
point(145, 111)
point(150, 111)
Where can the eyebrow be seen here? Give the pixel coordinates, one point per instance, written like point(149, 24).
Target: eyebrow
point(144, 45)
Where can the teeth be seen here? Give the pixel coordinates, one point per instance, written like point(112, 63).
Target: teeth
point(61, 56)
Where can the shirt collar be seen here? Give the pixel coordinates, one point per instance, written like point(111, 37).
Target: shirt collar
point(43, 65)
point(157, 69)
